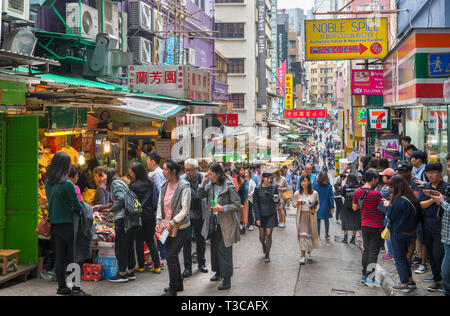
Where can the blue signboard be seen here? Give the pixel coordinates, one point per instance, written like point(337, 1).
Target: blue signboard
point(439, 65)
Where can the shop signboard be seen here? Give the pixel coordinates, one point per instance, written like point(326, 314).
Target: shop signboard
point(367, 82)
point(184, 82)
point(362, 116)
point(346, 39)
point(162, 146)
point(447, 91)
point(189, 126)
point(289, 90)
point(378, 119)
point(437, 119)
point(231, 120)
point(262, 48)
point(305, 114)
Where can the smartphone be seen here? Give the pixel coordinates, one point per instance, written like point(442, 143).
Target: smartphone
point(435, 193)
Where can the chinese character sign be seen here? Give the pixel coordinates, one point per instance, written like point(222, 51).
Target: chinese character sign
point(305, 114)
point(289, 97)
point(367, 82)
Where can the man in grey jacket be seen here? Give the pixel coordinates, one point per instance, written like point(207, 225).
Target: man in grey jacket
point(196, 214)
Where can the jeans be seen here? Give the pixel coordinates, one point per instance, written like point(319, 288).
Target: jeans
point(251, 214)
point(173, 248)
point(196, 225)
point(327, 225)
point(400, 246)
point(435, 252)
point(126, 257)
point(372, 242)
point(146, 234)
point(221, 256)
point(62, 235)
point(445, 271)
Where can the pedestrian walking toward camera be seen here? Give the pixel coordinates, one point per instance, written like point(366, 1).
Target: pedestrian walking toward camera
point(266, 200)
point(283, 187)
point(221, 222)
point(351, 220)
point(306, 200)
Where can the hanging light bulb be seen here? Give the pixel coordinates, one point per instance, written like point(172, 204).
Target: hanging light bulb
point(106, 147)
point(81, 159)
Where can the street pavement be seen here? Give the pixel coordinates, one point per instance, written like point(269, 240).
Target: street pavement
point(336, 270)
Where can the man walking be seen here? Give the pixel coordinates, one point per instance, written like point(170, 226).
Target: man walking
point(196, 215)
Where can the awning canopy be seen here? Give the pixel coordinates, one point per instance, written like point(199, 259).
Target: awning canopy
point(291, 136)
point(275, 124)
point(147, 108)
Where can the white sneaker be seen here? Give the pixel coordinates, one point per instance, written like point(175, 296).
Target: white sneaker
point(282, 225)
point(250, 228)
point(309, 257)
point(303, 261)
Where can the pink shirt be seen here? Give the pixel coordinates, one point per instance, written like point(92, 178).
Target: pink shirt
point(77, 189)
point(168, 201)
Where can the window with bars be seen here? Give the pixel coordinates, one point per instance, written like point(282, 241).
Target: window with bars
point(230, 30)
point(236, 66)
point(238, 100)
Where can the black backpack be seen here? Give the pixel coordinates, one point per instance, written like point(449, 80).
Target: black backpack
point(348, 197)
point(133, 207)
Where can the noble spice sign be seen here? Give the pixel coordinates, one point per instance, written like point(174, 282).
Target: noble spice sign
point(346, 39)
point(378, 119)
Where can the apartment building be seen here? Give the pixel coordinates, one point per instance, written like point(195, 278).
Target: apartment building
point(322, 77)
point(237, 27)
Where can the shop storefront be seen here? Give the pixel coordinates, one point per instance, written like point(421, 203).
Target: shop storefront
point(414, 75)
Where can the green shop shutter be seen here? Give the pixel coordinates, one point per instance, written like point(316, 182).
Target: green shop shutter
point(22, 186)
point(2, 180)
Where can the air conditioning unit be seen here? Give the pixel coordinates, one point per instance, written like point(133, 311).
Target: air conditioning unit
point(158, 21)
point(110, 17)
point(190, 56)
point(159, 51)
point(89, 20)
point(141, 16)
point(142, 50)
point(19, 9)
point(123, 31)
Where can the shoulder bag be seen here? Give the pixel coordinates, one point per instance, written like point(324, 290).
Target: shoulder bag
point(386, 233)
point(44, 228)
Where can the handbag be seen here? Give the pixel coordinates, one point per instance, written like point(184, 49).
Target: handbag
point(44, 227)
point(287, 195)
point(213, 225)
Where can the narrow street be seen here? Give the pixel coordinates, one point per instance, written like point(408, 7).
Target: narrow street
point(335, 271)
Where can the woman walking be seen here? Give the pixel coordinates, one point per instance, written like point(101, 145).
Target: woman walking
point(63, 203)
point(403, 215)
point(266, 200)
point(125, 229)
point(251, 190)
point(306, 200)
point(351, 220)
point(326, 201)
point(173, 210)
point(221, 224)
point(243, 194)
point(283, 186)
point(147, 193)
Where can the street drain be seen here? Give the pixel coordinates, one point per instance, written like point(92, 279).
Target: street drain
point(335, 292)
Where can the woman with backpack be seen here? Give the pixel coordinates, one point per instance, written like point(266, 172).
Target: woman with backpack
point(63, 203)
point(124, 229)
point(403, 213)
point(172, 215)
point(148, 194)
point(351, 220)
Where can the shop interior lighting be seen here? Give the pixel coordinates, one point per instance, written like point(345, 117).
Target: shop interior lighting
point(106, 147)
point(51, 133)
point(133, 133)
point(81, 159)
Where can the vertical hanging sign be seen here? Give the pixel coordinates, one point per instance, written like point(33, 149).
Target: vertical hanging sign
point(262, 95)
point(289, 98)
point(274, 38)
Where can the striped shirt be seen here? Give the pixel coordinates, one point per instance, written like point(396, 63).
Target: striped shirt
point(371, 216)
point(445, 233)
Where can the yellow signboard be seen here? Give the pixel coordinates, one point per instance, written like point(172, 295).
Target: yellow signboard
point(346, 39)
point(289, 92)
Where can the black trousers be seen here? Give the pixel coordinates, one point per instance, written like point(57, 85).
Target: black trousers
point(173, 248)
point(146, 234)
point(62, 236)
point(372, 244)
point(196, 226)
point(221, 256)
point(435, 252)
point(126, 257)
point(339, 208)
point(251, 214)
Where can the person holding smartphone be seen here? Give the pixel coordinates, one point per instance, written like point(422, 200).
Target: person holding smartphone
point(306, 201)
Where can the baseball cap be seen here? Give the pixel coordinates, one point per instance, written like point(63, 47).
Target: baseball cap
point(388, 172)
point(404, 166)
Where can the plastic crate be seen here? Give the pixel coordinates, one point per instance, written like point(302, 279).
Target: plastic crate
point(106, 249)
point(110, 264)
point(93, 272)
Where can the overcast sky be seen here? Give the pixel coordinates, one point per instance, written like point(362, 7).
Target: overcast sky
point(289, 4)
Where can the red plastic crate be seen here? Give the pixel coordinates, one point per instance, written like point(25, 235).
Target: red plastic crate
point(93, 272)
